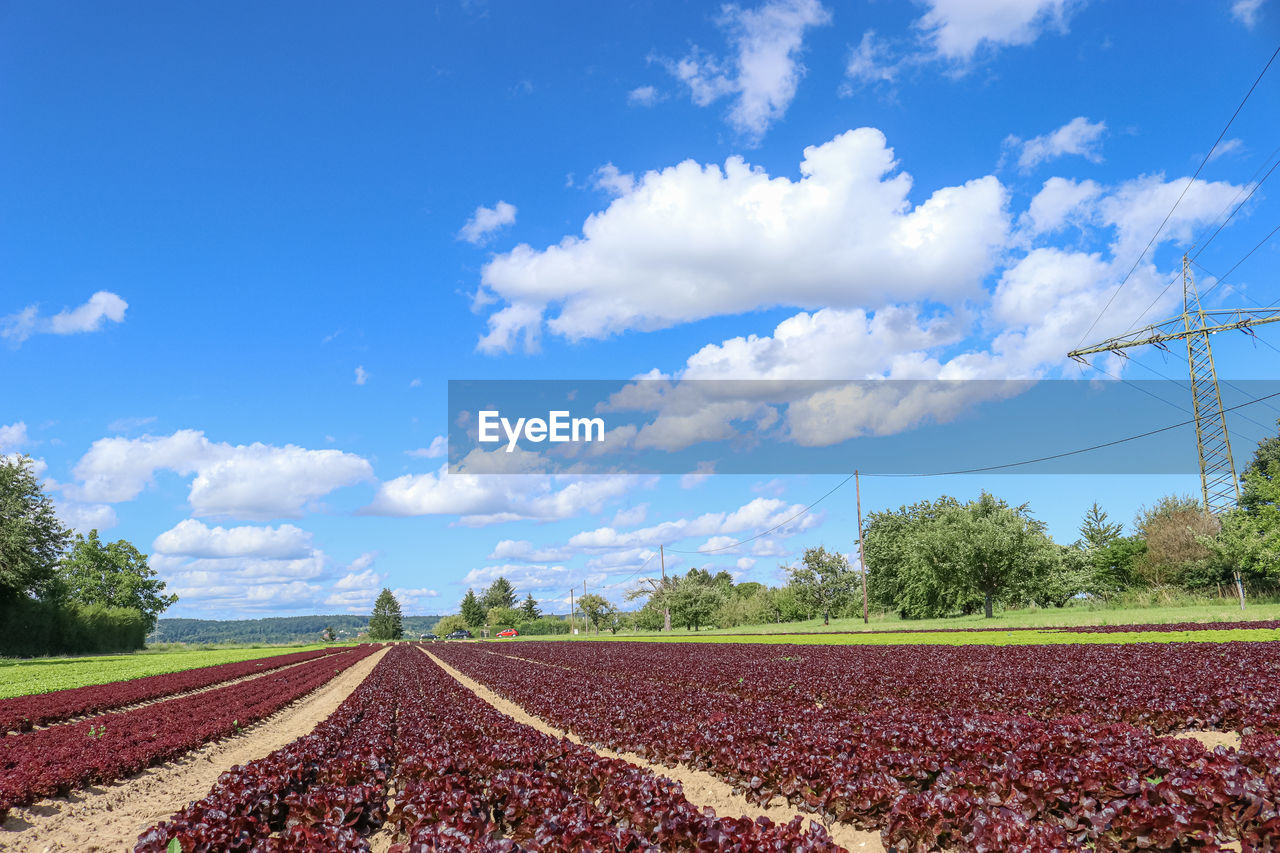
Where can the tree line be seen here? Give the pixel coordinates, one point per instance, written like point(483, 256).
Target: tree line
point(62, 593)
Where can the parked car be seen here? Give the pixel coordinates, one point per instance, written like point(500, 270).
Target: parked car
point(429, 636)
point(460, 634)
point(510, 632)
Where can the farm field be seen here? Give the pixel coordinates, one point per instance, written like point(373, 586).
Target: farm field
point(1071, 616)
point(675, 746)
point(1013, 637)
point(20, 676)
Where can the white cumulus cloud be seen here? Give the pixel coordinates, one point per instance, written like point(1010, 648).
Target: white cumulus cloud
point(192, 538)
point(255, 482)
point(695, 241)
point(764, 71)
point(102, 307)
point(1078, 136)
point(957, 29)
point(486, 221)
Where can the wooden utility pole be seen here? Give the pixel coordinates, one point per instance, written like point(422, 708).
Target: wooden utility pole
point(666, 611)
point(862, 559)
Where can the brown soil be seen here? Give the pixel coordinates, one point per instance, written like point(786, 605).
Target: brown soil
point(110, 817)
point(700, 788)
point(1231, 740)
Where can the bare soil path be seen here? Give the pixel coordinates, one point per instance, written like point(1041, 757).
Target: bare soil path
point(700, 788)
point(110, 817)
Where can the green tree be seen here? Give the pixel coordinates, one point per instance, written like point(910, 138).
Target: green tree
point(989, 549)
point(113, 575)
point(386, 622)
point(596, 609)
point(898, 578)
point(449, 624)
point(529, 608)
point(473, 612)
point(503, 617)
point(823, 582)
point(1265, 465)
point(329, 634)
point(32, 538)
point(499, 594)
point(1114, 567)
point(1067, 573)
point(655, 613)
point(1173, 529)
point(1096, 531)
point(693, 602)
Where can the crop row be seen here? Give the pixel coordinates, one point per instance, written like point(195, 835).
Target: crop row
point(1167, 627)
point(1160, 687)
point(465, 778)
point(22, 713)
point(54, 761)
point(938, 779)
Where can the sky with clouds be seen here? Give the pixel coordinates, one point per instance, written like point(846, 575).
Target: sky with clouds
point(245, 248)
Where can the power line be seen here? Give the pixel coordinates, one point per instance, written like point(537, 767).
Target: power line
point(978, 470)
point(771, 529)
point(1065, 454)
point(1168, 215)
point(1200, 247)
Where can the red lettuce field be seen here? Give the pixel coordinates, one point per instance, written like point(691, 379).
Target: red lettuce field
point(941, 748)
point(53, 761)
point(465, 777)
point(962, 749)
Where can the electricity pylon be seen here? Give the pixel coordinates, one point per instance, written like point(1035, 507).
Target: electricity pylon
point(1219, 485)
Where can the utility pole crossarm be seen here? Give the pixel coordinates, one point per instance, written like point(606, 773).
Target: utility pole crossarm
point(1175, 329)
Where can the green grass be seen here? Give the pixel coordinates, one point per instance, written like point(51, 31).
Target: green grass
point(23, 676)
point(959, 638)
point(1156, 612)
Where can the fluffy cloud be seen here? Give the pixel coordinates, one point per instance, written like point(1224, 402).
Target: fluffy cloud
point(869, 63)
point(13, 437)
point(239, 585)
point(85, 517)
point(643, 96)
point(1043, 302)
point(694, 241)
point(362, 375)
point(525, 577)
point(414, 601)
point(103, 306)
point(1059, 202)
point(486, 221)
point(494, 498)
point(765, 69)
point(1078, 136)
point(1246, 11)
point(956, 29)
point(759, 514)
point(525, 551)
point(254, 482)
point(438, 447)
point(193, 539)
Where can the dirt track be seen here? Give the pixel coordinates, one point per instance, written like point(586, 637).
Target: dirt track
point(110, 817)
point(700, 788)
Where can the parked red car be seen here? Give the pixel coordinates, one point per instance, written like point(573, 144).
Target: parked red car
point(510, 632)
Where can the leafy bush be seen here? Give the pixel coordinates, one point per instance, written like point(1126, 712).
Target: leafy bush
point(29, 627)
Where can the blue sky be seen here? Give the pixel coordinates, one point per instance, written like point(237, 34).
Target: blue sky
point(243, 250)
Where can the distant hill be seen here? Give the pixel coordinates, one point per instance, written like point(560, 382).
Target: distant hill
point(277, 629)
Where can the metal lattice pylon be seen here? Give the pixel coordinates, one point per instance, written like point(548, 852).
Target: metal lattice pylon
point(1219, 485)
